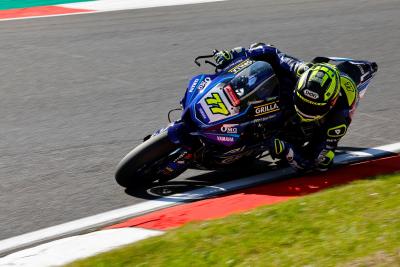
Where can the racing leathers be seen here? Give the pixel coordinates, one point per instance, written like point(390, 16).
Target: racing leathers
point(309, 145)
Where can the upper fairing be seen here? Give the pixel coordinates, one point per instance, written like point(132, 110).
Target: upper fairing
point(217, 117)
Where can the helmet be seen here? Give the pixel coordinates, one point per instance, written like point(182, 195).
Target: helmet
point(316, 92)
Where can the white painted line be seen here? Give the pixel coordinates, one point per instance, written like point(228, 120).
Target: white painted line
point(107, 218)
point(113, 5)
point(69, 249)
point(80, 226)
point(114, 216)
point(367, 153)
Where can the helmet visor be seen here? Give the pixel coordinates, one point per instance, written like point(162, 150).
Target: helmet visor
point(309, 111)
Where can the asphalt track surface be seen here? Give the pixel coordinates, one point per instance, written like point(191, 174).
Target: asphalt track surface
point(78, 92)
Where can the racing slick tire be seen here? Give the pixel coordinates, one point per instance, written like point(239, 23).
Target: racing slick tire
point(139, 167)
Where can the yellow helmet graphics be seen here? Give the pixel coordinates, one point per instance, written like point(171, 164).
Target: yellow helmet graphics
point(317, 91)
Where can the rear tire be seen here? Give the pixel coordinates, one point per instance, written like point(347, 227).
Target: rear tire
point(130, 170)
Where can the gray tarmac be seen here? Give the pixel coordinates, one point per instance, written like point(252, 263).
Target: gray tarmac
point(78, 92)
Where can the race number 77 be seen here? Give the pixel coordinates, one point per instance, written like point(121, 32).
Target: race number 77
point(216, 105)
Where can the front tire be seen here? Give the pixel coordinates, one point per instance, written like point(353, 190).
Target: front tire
point(139, 167)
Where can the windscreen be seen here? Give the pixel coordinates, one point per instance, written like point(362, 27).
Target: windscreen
point(258, 81)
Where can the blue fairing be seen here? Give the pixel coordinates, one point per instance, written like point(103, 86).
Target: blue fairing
point(217, 115)
point(196, 84)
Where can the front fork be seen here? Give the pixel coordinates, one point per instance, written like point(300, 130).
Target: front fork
point(178, 163)
point(180, 159)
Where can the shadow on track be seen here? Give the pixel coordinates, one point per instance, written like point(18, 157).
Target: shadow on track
point(157, 190)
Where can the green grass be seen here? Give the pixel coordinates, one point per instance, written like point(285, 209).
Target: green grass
point(353, 225)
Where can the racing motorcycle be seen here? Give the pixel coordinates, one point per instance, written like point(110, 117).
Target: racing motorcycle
point(228, 119)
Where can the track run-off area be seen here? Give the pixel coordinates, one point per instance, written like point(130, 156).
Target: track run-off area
point(78, 239)
point(78, 92)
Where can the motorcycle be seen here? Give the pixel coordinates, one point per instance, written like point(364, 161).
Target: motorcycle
point(228, 119)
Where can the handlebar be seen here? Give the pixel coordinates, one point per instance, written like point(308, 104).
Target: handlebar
point(196, 60)
point(217, 67)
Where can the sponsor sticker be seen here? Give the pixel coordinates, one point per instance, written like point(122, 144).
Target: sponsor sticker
point(266, 108)
point(311, 94)
point(229, 128)
point(204, 83)
point(236, 69)
point(266, 118)
point(225, 138)
point(194, 84)
point(234, 63)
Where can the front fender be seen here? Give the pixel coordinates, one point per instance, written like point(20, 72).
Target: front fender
point(175, 132)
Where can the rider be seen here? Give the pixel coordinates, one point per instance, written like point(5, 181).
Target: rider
point(322, 96)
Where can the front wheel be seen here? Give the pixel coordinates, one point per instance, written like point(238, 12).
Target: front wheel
point(141, 166)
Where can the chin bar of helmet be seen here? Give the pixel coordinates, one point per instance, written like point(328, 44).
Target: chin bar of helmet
point(308, 118)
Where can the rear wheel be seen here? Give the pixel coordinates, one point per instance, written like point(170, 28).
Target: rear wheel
point(142, 165)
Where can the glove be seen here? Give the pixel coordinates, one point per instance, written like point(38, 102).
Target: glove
point(223, 58)
point(283, 150)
